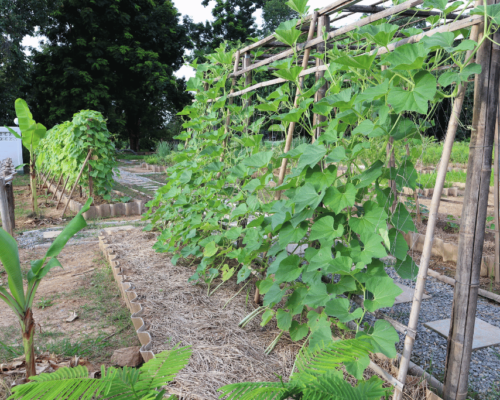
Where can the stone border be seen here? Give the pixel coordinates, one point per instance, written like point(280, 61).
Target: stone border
point(154, 168)
point(130, 297)
point(453, 192)
point(447, 251)
point(135, 207)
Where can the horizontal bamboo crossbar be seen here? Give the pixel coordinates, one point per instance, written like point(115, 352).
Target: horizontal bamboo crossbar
point(411, 13)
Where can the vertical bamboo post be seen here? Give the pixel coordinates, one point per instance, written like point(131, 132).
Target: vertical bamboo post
point(91, 182)
point(431, 225)
point(415, 193)
point(473, 221)
point(247, 61)
point(76, 182)
point(57, 187)
point(291, 127)
point(4, 208)
point(230, 101)
point(323, 22)
point(62, 194)
point(497, 201)
point(392, 164)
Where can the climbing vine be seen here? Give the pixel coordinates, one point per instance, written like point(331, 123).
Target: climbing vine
point(325, 240)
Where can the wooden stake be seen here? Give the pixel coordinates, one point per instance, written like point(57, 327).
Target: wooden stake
point(55, 191)
point(473, 221)
point(76, 183)
point(9, 188)
point(62, 194)
point(497, 202)
point(323, 22)
point(4, 209)
point(415, 194)
point(291, 127)
point(247, 61)
point(431, 224)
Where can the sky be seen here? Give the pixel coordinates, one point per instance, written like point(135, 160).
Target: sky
point(198, 13)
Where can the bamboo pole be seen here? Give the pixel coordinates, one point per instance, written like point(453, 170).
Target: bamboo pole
point(291, 127)
point(338, 32)
point(431, 225)
point(415, 194)
point(62, 194)
point(4, 209)
point(497, 202)
point(323, 22)
point(471, 236)
point(76, 182)
point(9, 188)
point(247, 62)
point(55, 191)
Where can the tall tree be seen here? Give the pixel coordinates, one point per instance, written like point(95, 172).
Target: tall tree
point(114, 56)
point(274, 13)
point(18, 19)
point(233, 22)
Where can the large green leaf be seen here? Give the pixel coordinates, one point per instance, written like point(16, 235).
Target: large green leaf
point(75, 225)
point(340, 308)
point(324, 231)
point(383, 338)
point(290, 74)
point(402, 220)
point(440, 40)
point(383, 290)
point(305, 196)
point(339, 198)
point(369, 176)
point(492, 10)
point(373, 92)
point(290, 234)
point(258, 160)
point(369, 222)
point(407, 57)
point(299, 6)
point(449, 77)
point(311, 156)
point(287, 33)
point(362, 62)
point(380, 34)
point(9, 256)
point(416, 99)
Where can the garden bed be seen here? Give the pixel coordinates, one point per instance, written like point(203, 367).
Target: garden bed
point(167, 310)
point(134, 207)
point(154, 168)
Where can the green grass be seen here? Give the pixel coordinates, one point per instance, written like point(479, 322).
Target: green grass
point(21, 180)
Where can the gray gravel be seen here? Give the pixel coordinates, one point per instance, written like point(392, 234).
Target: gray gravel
point(429, 351)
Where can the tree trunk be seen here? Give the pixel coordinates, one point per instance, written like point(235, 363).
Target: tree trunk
point(28, 327)
point(134, 133)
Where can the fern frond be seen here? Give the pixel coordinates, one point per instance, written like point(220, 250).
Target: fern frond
point(331, 356)
point(153, 374)
point(331, 386)
point(65, 383)
point(253, 390)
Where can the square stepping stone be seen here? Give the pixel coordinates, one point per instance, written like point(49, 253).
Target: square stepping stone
point(407, 295)
point(51, 234)
point(485, 335)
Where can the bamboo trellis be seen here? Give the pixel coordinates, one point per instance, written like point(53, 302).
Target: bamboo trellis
point(326, 17)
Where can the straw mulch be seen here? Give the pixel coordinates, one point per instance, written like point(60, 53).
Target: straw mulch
point(177, 311)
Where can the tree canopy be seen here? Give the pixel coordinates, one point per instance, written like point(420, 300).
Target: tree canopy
point(274, 13)
point(113, 56)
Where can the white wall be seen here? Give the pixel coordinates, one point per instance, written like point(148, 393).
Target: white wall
point(10, 146)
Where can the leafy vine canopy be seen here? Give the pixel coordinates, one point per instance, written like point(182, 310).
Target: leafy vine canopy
point(323, 241)
point(66, 146)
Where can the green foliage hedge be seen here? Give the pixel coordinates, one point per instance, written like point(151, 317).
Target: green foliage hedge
point(65, 147)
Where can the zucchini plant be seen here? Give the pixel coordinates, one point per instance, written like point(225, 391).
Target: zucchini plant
point(320, 244)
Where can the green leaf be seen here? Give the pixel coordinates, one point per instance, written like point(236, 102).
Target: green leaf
point(339, 198)
point(383, 338)
point(402, 220)
point(258, 160)
point(274, 295)
point(449, 77)
point(337, 155)
point(384, 292)
point(373, 247)
point(416, 99)
point(311, 156)
point(321, 179)
point(324, 231)
point(321, 332)
point(399, 247)
point(407, 57)
point(374, 92)
point(439, 4)
point(362, 62)
point(287, 33)
point(299, 6)
point(370, 175)
point(369, 222)
point(284, 319)
point(290, 234)
point(289, 74)
point(298, 331)
point(339, 308)
point(306, 195)
point(267, 316)
point(9, 256)
point(380, 34)
point(242, 209)
point(406, 269)
point(210, 249)
point(75, 225)
point(440, 40)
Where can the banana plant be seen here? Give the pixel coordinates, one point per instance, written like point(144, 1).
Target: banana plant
point(31, 134)
point(21, 301)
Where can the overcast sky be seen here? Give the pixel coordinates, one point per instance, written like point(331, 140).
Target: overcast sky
point(198, 13)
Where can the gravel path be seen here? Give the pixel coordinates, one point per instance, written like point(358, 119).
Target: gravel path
point(429, 351)
point(129, 178)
